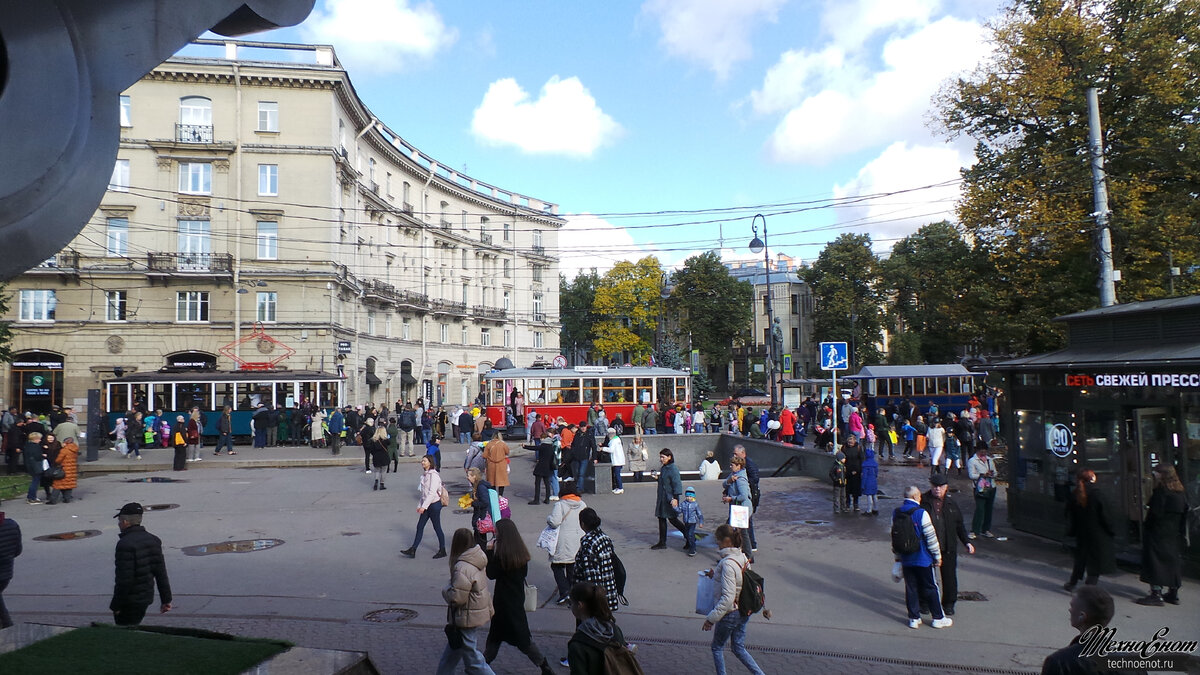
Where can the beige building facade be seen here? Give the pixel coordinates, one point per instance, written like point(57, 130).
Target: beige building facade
point(254, 191)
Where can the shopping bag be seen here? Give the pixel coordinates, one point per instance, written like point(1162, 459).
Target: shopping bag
point(494, 504)
point(739, 516)
point(530, 597)
point(705, 594)
point(548, 539)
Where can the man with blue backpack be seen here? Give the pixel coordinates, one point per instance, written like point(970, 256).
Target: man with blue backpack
point(915, 544)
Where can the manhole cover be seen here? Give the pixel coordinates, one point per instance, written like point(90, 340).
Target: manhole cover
point(816, 522)
point(239, 546)
point(155, 479)
point(972, 595)
point(391, 615)
point(160, 507)
point(68, 536)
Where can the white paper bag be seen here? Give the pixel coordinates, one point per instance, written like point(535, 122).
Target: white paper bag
point(548, 539)
point(705, 595)
point(531, 598)
point(739, 516)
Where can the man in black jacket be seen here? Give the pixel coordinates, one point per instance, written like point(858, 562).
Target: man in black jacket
point(948, 524)
point(583, 453)
point(140, 566)
point(10, 547)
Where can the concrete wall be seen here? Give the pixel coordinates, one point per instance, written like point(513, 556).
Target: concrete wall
point(690, 449)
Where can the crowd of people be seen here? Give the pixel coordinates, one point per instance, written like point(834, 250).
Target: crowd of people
point(47, 448)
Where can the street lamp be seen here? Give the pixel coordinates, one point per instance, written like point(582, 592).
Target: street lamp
point(757, 245)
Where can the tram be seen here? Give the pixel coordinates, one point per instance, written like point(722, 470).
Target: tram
point(176, 392)
point(569, 392)
point(949, 386)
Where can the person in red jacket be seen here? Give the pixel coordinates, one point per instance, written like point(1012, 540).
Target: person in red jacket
point(787, 425)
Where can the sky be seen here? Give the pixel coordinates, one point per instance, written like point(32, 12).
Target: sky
point(662, 127)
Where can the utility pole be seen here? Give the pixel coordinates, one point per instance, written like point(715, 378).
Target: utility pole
point(1108, 291)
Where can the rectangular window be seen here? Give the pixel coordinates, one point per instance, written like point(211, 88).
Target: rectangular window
point(485, 337)
point(268, 240)
point(445, 330)
point(537, 273)
point(466, 292)
point(118, 237)
point(795, 304)
point(195, 178)
point(537, 341)
point(507, 337)
point(126, 111)
point(120, 176)
point(268, 116)
point(507, 268)
point(191, 306)
point(537, 239)
point(387, 326)
point(268, 302)
point(795, 339)
point(507, 232)
point(37, 305)
point(268, 180)
point(507, 300)
point(114, 305)
point(406, 329)
point(195, 246)
point(370, 322)
point(538, 315)
point(463, 335)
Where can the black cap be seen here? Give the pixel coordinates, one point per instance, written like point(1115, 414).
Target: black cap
point(938, 479)
point(131, 509)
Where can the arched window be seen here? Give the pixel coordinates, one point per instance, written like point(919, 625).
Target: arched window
point(195, 110)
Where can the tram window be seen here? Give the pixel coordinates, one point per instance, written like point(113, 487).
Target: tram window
point(645, 387)
point(563, 391)
point(159, 396)
point(666, 390)
point(224, 394)
point(681, 389)
point(190, 395)
point(618, 390)
point(139, 397)
point(535, 391)
point(308, 393)
point(252, 394)
point(285, 394)
point(965, 385)
point(118, 398)
point(591, 389)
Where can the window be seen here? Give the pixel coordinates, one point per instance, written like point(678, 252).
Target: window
point(342, 136)
point(370, 322)
point(268, 240)
point(120, 176)
point(537, 307)
point(114, 305)
point(387, 184)
point(485, 337)
point(464, 221)
point(795, 304)
point(405, 193)
point(445, 333)
point(507, 337)
point(195, 110)
point(118, 237)
point(191, 306)
point(766, 302)
point(126, 111)
point(268, 180)
point(507, 232)
point(406, 329)
point(507, 300)
point(37, 305)
point(537, 240)
point(268, 302)
point(371, 171)
point(195, 245)
point(463, 335)
point(268, 116)
point(795, 338)
point(466, 292)
point(507, 268)
point(195, 178)
point(537, 341)
point(387, 326)
point(537, 273)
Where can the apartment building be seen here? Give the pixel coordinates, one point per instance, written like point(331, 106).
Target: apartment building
point(254, 192)
point(792, 304)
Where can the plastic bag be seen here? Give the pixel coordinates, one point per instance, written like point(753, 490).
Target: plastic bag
point(548, 539)
point(706, 598)
point(739, 516)
point(897, 572)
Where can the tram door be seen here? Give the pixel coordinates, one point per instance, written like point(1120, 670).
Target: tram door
point(1155, 433)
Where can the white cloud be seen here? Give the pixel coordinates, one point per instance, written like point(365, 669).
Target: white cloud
point(903, 167)
point(588, 241)
point(715, 33)
point(564, 120)
point(379, 35)
point(850, 23)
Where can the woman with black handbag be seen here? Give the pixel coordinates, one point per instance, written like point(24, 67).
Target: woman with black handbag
point(508, 564)
point(469, 606)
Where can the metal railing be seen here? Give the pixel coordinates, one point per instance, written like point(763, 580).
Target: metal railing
point(189, 262)
point(194, 133)
point(486, 238)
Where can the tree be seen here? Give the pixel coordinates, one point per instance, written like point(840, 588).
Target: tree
point(846, 299)
point(1027, 201)
point(575, 306)
point(6, 336)
point(712, 306)
point(626, 306)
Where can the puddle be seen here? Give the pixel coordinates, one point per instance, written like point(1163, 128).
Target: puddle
point(817, 522)
point(155, 479)
point(160, 507)
point(239, 546)
point(351, 534)
point(68, 536)
point(390, 615)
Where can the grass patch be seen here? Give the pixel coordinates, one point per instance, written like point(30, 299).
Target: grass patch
point(13, 486)
point(103, 650)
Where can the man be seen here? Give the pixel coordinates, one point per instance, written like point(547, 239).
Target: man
point(883, 437)
point(948, 524)
point(407, 423)
point(337, 426)
point(1091, 609)
point(639, 416)
point(140, 566)
point(57, 416)
point(583, 451)
point(10, 547)
point(650, 421)
point(67, 428)
point(982, 471)
point(465, 423)
point(752, 479)
point(537, 430)
point(917, 566)
point(225, 432)
point(273, 425)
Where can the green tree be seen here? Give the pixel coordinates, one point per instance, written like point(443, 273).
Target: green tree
point(575, 307)
point(712, 306)
point(1027, 201)
point(846, 298)
point(6, 335)
point(626, 308)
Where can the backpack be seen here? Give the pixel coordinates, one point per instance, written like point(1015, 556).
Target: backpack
point(619, 577)
point(619, 660)
point(904, 533)
point(408, 420)
point(752, 598)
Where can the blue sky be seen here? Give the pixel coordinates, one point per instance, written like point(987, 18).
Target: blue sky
point(661, 126)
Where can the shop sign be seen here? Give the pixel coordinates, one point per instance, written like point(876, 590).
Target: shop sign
point(1060, 440)
point(1135, 380)
point(38, 365)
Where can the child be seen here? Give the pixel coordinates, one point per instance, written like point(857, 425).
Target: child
point(689, 513)
point(434, 450)
point(910, 436)
point(870, 483)
point(837, 474)
point(870, 437)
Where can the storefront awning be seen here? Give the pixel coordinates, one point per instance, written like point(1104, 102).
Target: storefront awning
point(373, 379)
point(407, 380)
point(1151, 356)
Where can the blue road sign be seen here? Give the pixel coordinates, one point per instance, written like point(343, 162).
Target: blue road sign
point(834, 356)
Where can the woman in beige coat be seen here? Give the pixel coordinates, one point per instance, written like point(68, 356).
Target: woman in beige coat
point(496, 454)
point(470, 606)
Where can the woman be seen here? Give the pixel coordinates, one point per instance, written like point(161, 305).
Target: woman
point(679, 421)
point(68, 459)
point(564, 517)
point(178, 440)
point(393, 445)
point(508, 565)
point(616, 453)
point(737, 493)
point(710, 469)
point(193, 436)
point(1162, 539)
point(982, 472)
point(670, 489)
point(638, 454)
point(936, 436)
point(316, 431)
point(1093, 533)
point(480, 503)
point(597, 630)
point(376, 447)
point(32, 454)
point(429, 506)
point(725, 618)
point(50, 448)
point(496, 454)
point(856, 424)
point(470, 606)
point(136, 434)
point(594, 560)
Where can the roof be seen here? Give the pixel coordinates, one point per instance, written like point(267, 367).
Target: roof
point(924, 370)
point(1115, 357)
point(224, 376)
point(613, 371)
point(1125, 309)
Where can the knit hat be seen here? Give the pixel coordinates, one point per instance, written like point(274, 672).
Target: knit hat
point(689, 491)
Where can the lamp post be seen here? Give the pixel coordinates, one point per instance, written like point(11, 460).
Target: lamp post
point(663, 294)
point(757, 245)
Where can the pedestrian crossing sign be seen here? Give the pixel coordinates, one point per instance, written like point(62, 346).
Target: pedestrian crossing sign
point(834, 356)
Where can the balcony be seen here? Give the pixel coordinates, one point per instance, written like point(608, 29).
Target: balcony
point(539, 316)
point(539, 250)
point(449, 307)
point(194, 133)
point(444, 223)
point(66, 262)
point(486, 239)
point(374, 289)
point(491, 313)
point(406, 208)
point(199, 264)
point(418, 301)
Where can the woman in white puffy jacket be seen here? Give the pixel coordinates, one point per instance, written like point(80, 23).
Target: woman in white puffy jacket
point(725, 620)
point(564, 518)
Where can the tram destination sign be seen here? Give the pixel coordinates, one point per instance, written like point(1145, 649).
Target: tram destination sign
point(1181, 380)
